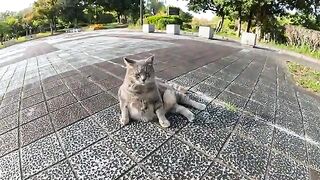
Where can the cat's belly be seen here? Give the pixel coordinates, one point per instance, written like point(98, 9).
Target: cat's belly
point(142, 115)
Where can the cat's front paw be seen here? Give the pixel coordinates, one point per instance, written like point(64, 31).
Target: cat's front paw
point(201, 106)
point(164, 123)
point(124, 121)
point(190, 117)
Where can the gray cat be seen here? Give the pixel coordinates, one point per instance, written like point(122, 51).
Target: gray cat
point(144, 98)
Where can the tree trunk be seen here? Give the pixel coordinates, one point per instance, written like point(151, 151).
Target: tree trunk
point(118, 17)
point(51, 28)
point(249, 21)
point(239, 22)
point(220, 25)
point(1, 39)
point(239, 27)
point(258, 32)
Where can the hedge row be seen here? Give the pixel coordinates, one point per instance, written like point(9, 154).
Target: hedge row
point(298, 36)
point(161, 21)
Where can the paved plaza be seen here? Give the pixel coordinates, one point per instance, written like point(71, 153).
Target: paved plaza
point(59, 113)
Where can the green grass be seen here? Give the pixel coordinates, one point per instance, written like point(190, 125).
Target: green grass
point(305, 76)
point(135, 26)
point(114, 25)
point(305, 50)
point(230, 35)
point(231, 107)
point(24, 39)
point(21, 39)
point(45, 34)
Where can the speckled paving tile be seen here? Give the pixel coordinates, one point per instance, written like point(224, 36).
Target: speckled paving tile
point(284, 168)
point(136, 173)
point(175, 160)
point(233, 99)
point(267, 113)
point(56, 91)
point(240, 90)
point(8, 142)
point(217, 83)
point(190, 79)
point(140, 138)
point(314, 174)
point(109, 118)
point(9, 110)
point(61, 170)
point(245, 156)
point(221, 172)
point(99, 102)
point(218, 116)
point(9, 166)
point(290, 145)
point(33, 112)
point(207, 90)
point(8, 123)
point(51, 84)
point(110, 83)
point(32, 91)
point(103, 160)
point(68, 115)
point(35, 130)
point(291, 123)
point(40, 154)
point(314, 155)
point(9, 100)
point(61, 101)
point(32, 100)
point(80, 135)
point(205, 138)
point(256, 130)
point(86, 91)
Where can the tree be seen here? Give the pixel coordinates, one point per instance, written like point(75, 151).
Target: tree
point(185, 16)
point(49, 9)
point(13, 23)
point(220, 7)
point(4, 30)
point(154, 6)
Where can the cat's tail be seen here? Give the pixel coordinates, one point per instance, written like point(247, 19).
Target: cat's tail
point(175, 86)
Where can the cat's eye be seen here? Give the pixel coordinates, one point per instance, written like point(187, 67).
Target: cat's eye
point(137, 75)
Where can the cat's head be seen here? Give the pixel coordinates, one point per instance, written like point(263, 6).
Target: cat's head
point(140, 72)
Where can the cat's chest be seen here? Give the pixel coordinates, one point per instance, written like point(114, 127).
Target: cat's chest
point(143, 107)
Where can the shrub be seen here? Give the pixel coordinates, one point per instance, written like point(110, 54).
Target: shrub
point(96, 26)
point(199, 22)
point(300, 36)
point(161, 21)
point(107, 18)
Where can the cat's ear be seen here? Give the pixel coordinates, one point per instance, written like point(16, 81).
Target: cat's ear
point(150, 60)
point(129, 62)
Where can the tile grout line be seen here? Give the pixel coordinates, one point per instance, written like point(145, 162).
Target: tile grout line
point(56, 133)
point(274, 130)
point(19, 125)
point(305, 134)
point(233, 131)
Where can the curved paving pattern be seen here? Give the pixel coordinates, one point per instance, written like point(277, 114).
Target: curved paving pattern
point(59, 112)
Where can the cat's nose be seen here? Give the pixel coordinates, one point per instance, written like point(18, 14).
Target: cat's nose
point(143, 78)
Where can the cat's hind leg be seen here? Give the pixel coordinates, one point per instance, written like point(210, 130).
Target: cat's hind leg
point(184, 111)
point(183, 99)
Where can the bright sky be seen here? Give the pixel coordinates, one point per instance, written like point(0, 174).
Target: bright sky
point(182, 4)
point(14, 5)
point(17, 5)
